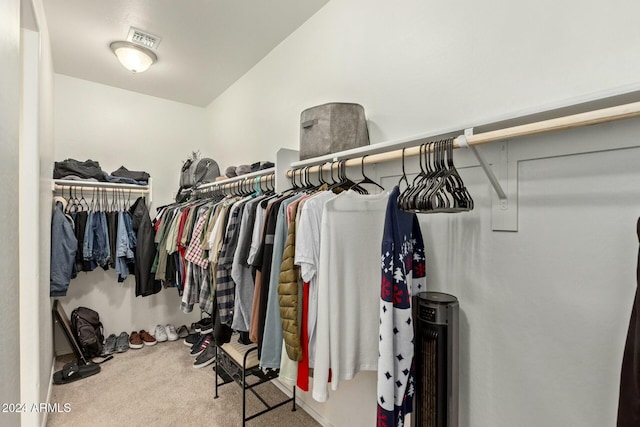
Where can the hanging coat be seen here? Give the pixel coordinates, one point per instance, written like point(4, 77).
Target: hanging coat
point(288, 295)
point(145, 251)
point(629, 399)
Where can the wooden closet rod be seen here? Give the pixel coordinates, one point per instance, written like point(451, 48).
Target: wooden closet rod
point(232, 182)
point(102, 186)
point(604, 115)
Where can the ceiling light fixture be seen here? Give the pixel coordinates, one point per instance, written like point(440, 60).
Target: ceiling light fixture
point(133, 57)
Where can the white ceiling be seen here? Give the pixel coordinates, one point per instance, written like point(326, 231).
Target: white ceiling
point(206, 44)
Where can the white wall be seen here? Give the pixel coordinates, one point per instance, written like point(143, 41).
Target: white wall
point(426, 66)
point(118, 127)
point(44, 169)
point(9, 156)
point(544, 311)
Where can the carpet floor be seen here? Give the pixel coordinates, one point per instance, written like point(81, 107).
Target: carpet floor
point(158, 386)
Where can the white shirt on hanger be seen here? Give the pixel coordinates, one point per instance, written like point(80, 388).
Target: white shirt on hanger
point(308, 258)
point(348, 289)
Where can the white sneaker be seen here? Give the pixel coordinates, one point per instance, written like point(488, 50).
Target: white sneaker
point(172, 335)
point(161, 334)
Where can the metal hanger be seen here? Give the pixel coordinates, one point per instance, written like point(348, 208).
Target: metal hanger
point(404, 174)
point(366, 179)
point(406, 198)
point(345, 182)
point(83, 202)
point(438, 187)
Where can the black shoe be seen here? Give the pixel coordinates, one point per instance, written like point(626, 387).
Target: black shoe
point(206, 358)
point(191, 339)
point(201, 345)
point(244, 338)
point(205, 325)
point(183, 332)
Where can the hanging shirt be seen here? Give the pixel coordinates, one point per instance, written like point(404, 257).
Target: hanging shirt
point(87, 250)
point(403, 275)
point(194, 251)
point(254, 330)
point(124, 252)
point(241, 272)
point(272, 337)
point(257, 233)
point(225, 286)
point(348, 302)
point(80, 225)
point(308, 258)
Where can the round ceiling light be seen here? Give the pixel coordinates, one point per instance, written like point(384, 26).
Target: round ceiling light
point(133, 57)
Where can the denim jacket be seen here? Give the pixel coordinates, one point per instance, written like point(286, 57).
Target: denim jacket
point(63, 252)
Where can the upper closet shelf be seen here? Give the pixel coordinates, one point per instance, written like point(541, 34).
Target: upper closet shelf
point(505, 212)
point(60, 185)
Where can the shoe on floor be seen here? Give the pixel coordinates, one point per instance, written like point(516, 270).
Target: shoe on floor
point(147, 339)
point(183, 332)
point(170, 330)
point(122, 343)
point(201, 345)
point(205, 325)
point(72, 371)
point(206, 358)
point(109, 345)
point(135, 340)
point(198, 343)
point(161, 334)
point(191, 339)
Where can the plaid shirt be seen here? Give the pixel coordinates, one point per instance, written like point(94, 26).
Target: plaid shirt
point(194, 251)
point(225, 286)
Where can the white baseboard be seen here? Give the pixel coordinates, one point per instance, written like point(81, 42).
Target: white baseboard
point(286, 389)
point(46, 413)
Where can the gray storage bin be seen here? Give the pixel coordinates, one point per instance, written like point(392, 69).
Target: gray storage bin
point(330, 128)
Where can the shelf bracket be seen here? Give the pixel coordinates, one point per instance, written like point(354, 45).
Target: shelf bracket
point(505, 214)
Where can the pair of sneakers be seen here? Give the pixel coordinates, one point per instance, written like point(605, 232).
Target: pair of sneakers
point(204, 325)
point(205, 350)
point(114, 344)
point(140, 339)
point(166, 333)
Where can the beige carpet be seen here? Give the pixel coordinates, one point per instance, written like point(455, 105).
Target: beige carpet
point(157, 386)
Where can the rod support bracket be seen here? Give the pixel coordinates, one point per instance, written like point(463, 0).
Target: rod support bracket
point(462, 142)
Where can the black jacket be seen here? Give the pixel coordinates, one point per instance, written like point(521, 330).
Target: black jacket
point(145, 251)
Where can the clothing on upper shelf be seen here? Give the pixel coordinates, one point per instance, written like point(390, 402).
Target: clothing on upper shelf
point(139, 176)
point(71, 167)
point(90, 170)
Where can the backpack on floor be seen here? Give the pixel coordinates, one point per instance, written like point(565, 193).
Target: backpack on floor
point(88, 330)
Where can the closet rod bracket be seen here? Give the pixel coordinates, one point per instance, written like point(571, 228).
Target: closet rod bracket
point(502, 196)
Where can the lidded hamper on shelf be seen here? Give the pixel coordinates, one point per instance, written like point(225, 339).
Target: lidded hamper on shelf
point(332, 127)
